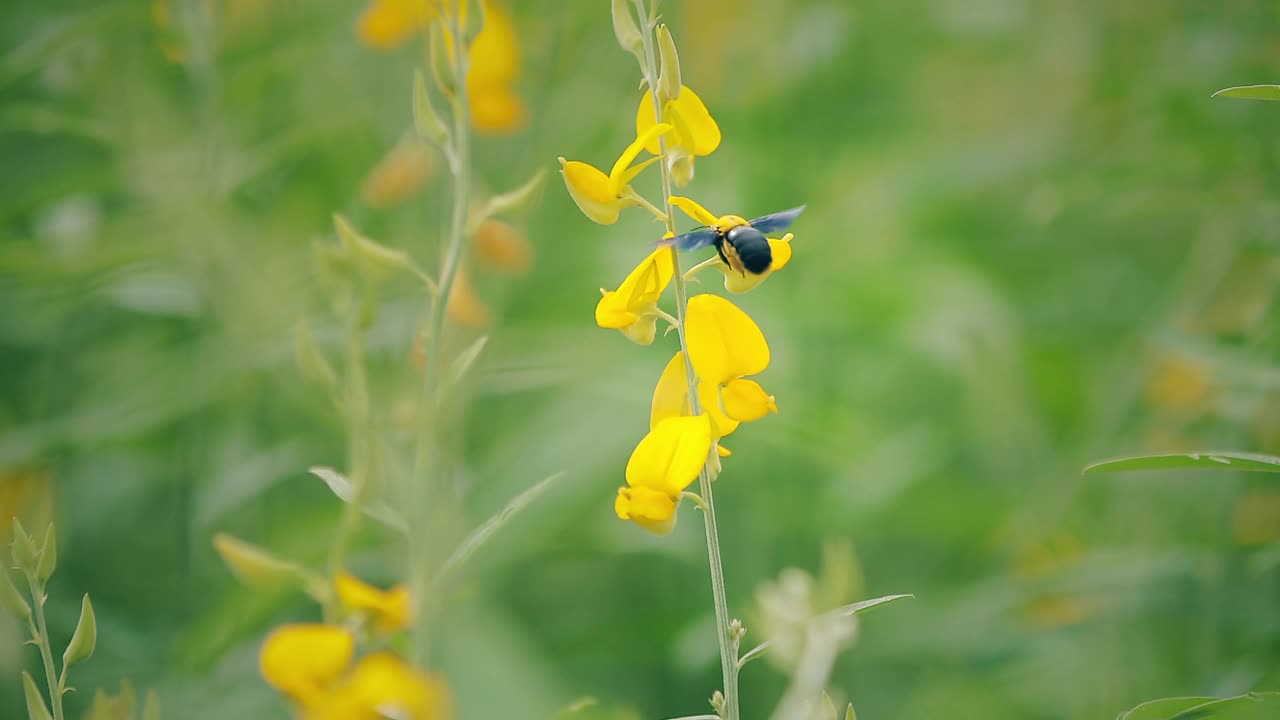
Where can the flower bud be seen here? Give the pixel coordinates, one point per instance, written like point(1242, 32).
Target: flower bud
point(669, 77)
point(48, 554)
point(25, 554)
point(374, 260)
point(625, 29)
point(251, 564)
point(84, 639)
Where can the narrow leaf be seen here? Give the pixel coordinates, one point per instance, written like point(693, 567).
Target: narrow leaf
point(849, 714)
point(865, 605)
point(461, 364)
point(11, 598)
point(490, 527)
point(253, 565)
point(35, 702)
point(1196, 708)
point(425, 119)
point(1251, 462)
point(341, 487)
point(84, 639)
point(512, 201)
point(1251, 92)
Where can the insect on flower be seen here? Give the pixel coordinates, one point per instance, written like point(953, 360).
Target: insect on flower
point(741, 243)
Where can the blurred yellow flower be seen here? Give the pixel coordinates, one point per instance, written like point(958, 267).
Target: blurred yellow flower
point(665, 462)
point(389, 610)
point(1180, 384)
point(380, 686)
point(695, 132)
point(502, 247)
point(725, 346)
point(734, 281)
point(302, 660)
point(466, 308)
point(403, 171)
point(633, 307)
point(493, 60)
point(601, 197)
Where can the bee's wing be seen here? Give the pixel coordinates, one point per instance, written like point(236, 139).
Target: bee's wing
point(690, 241)
point(777, 221)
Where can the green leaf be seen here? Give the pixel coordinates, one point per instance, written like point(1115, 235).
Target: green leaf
point(341, 486)
point(1251, 462)
point(425, 118)
point(849, 714)
point(490, 527)
point(1251, 92)
point(35, 702)
point(12, 599)
point(865, 605)
point(1241, 707)
point(465, 359)
point(25, 554)
point(84, 639)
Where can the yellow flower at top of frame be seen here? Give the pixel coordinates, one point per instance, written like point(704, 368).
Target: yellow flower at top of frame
point(632, 308)
point(381, 685)
point(734, 281)
point(695, 132)
point(386, 24)
point(602, 197)
point(663, 464)
point(390, 610)
point(303, 660)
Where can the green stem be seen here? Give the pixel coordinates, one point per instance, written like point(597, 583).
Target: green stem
point(728, 656)
point(46, 651)
point(428, 444)
point(359, 447)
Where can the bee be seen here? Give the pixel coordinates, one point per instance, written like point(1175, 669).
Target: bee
point(741, 244)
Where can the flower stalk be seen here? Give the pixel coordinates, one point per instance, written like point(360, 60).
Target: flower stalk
point(40, 631)
point(728, 654)
point(428, 468)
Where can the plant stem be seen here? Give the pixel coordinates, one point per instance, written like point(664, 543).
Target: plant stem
point(728, 655)
point(359, 448)
point(426, 485)
point(46, 651)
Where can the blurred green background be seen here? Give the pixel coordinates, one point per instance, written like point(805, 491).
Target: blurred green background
point(1032, 241)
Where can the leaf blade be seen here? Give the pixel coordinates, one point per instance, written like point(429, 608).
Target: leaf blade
point(1250, 92)
point(1251, 462)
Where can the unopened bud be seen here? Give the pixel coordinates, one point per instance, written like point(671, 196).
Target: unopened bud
point(25, 555)
point(85, 638)
point(375, 261)
point(35, 701)
point(669, 77)
point(625, 29)
point(425, 118)
point(253, 565)
point(48, 554)
point(12, 599)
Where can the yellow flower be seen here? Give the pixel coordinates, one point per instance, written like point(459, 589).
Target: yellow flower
point(725, 346)
point(302, 660)
point(695, 132)
point(494, 56)
point(671, 399)
point(665, 462)
point(601, 197)
point(466, 308)
point(734, 281)
point(398, 175)
point(381, 685)
point(503, 247)
point(390, 610)
point(632, 308)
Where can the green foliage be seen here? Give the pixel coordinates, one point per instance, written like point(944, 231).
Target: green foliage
point(1251, 92)
point(1247, 462)
point(1253, 706)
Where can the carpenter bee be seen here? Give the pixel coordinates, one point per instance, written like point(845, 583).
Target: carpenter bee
point(741, 243)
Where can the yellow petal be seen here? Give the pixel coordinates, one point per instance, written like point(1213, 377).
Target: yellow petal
point(745, 400)
point(671, 394)
point(495, 52)
point(669, 457)
point(495, 109)
point(612, 312)
point(682, 170)
point(724, 342)
point(592, 190)
point(652, 510)
point(645, 119)
point(386, 24)
point(701, 133)
point(301, 660)
point(780, 248)
point(632, 307)
point(629, 155)
point(503, 247)
point(723, 451)
point(381, 685)
point(671, 399)
point(694, 210)
point(390, 610)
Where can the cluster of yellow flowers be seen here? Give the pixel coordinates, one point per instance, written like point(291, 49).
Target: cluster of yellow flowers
point(724, 344)
point(315, 665)
point(494, 58)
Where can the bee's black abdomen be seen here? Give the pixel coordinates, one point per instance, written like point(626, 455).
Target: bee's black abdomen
point(753, 248)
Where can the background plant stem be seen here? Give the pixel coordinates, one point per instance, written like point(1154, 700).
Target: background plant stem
point(46, 650)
